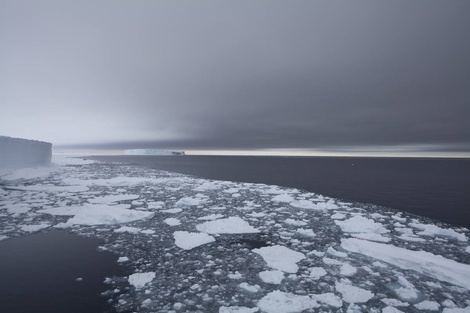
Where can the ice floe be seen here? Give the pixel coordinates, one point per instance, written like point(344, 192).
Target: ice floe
point(231, 225)
point(281, 258)
point(187, 241)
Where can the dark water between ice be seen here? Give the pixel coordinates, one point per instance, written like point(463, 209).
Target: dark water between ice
point(435, 188)
point(38, 274)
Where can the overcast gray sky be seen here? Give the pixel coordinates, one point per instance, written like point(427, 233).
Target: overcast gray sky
point(237, 74)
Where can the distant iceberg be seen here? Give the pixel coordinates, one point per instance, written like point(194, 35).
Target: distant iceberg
point(18, 153)
point(152, 152)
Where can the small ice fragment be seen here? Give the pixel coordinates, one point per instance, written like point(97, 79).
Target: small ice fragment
point(305, 232)
point(139, 280)
point(172, 221)
point(249, 288)
point(231, 225)
point(283, 302)
point(123, 259)
point(427, 305)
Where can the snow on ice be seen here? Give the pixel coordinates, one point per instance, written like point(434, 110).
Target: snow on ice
point(199, 245)
point(186, 240)
point(281, 258)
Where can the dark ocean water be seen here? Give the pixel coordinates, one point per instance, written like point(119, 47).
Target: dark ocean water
point(38, 274)
point(435, 188)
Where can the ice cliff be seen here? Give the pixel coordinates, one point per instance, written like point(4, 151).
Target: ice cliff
point(17, 152)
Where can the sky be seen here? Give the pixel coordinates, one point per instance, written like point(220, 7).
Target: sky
point(247, 75)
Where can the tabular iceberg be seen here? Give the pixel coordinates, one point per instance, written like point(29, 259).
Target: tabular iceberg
point(17, 152)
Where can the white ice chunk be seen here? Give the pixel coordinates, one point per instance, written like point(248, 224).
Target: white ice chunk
point(317, 272)
point(413, 238)
point(347, 270)
point(33, 228)
point(272, 277)
point(293, 222)
point(283, 302)
point(394, 302)
point(101, 214)
point(237, 309)
point(172, 221)
point(187, 241)
point(427, 305)
point(338, 216)
point(191, 201)
point(63, 211)
point(305, 232)
point(231, 225)
point(17, 208)
point(423, 262)
point(391, 309)
point(408, 291)
point(139, 280)
point(249, 288)
point(371, 237)
point(281, 258)
point(457, 310)
point(433, 230)
point(329, 299)
point(173, 211)
point(283, 198)
point(123, 259)
point(360, 224)
point(353, 294)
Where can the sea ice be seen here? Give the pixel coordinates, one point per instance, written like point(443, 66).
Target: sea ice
point(139, 280)
point(237, 309)
point(360, 224)
point(427, 305)
point(231, 225)
point(172, 221)
point(353, 294)
point(33, 228)
point(101, 214)
point(272, 277)
point(281, 258)
point(317, 272)
point(191, 201)
point(436, 266)
point(284, 302)
point(433, 230)
point(329, 299)
point(187, 241)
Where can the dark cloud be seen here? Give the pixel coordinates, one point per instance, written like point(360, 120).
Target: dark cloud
point(237, 74)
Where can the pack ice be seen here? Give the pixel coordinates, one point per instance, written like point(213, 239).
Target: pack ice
point(198, 245)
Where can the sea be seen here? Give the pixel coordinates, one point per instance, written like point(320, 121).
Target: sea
point(437, 188)
point(56, 271)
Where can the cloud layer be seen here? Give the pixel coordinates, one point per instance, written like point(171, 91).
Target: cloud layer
point(236, 74)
